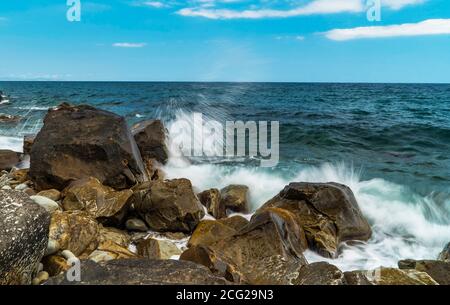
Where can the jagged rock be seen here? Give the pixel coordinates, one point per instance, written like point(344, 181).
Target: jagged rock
point(101, 202)
point(52, 194)
point(55, 264)
point(150, 137)
point(445, 254)
point(76, 231)
point(266, 251)
point(82, 141)
point(109, 250)
point(122, 238)
point(388, 276)
point(328, 213)
point(23, 237)
point(211, 200)
point(48, 204)
point(8, 159)
point(320, 273)
point(437, 270)
point(157, 249)
point(8, 118)
point(210, 231)
point(28, 141)
point(141, 272)
point(169, 205)
point(235, 198)
point(135, 224)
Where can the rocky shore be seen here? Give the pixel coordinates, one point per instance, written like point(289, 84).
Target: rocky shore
point(95, 193)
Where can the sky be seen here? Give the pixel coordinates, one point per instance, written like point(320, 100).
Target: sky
point(400, 41)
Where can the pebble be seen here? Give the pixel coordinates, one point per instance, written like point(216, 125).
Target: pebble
point(40, 278)
point(48, 204)
point(67, 254)
point(21, 187)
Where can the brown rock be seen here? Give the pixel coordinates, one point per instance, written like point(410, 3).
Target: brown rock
point(389, 276)
point(328, 213)
point(134, 224)
point(235, 198)
point(320, 273)
point(101, 202)
point(55, 264)
point(19, 176)
point(122, 238)
point(52, 194)
point(157, 249)
point(211, 200)
point(142, 272)
point(150, 137)
point(81, 141)
point(437, 270)
point(8, 159)
point(28, 141)
point(8, 118)
point(75, 231)
point(445, 254)
point(266, 251)
point(109, 250)
point(169, 205)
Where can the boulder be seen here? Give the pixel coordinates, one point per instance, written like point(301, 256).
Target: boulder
point(320, 273)
point(28, 141)
point(445, 254)
point(52, 194)
point(210, 231)
point(157, 249)
point(169, 205)
point(23, 237)
point(141, 272)
point(99, 201)
point(8, 159)
point(235, 198)
point(211, 200)
point(269, 250)
point(327, 212)
point(135, 224)
point(388, 276)
point(109, 250)
point(150, 137)
point(82, 141)
point(122, 238)
point(76, 231)
point(437, 270)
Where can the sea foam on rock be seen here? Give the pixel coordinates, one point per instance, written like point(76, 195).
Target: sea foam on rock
point(24, 227)
point(82, 141)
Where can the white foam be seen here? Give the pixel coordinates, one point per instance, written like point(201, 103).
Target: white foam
point(11, 143)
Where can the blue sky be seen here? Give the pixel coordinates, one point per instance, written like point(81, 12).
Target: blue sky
point(226, 40)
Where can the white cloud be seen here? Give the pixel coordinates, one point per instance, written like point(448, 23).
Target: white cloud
point(427, 27)
point(312, 8)
point(155, 4)
point(399, 4)
point(129, 45)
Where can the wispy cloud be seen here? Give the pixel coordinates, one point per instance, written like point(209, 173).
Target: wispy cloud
point(424, 28)
point(155, 4)
point(399, 4)
point(129, 45)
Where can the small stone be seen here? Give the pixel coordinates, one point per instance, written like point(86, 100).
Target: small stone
point(48, 204)
point(52, 194)
point(68, 254)
point(40, 278)
point(6, 187)
point(21, 187)
point(135, 224)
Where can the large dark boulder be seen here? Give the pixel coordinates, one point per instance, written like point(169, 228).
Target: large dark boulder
point(24, 229)
point(168, 205)
point(82, 141)
point(150, 137)
point(141, 272)
point(269, 250)
point(8, 159)
point(327, 212)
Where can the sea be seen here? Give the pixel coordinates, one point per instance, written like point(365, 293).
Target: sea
point(390, 143)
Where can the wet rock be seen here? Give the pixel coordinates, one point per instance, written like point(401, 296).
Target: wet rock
point(101, 202)
point(142, 272)
point(150, 137)
point(169, 205)
point(157, 249)
point(28, 141)
point(76, 231)
point(320, 273)
point(52, 194)
point(211, 200)
point(437, 270)
point(23, 237)
point(445, 254)
point(235, 198)
point(122, 238)
point(266, 251)
point(8, 118)
point(55, 264)
point(109, 250)
point(135, 224)
point(8, 159)
point(389, 276)
point(328, 213)
point(48, 204)
point(81, 141)
point(40, 278)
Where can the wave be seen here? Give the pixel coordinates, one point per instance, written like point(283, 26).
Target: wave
point(11, 143)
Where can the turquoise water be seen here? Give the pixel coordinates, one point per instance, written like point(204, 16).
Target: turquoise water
point(389, 143)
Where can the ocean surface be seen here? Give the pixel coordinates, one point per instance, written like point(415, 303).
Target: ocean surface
point(390, 143)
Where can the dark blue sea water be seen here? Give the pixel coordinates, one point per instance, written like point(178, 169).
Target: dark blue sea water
point(389, 142)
